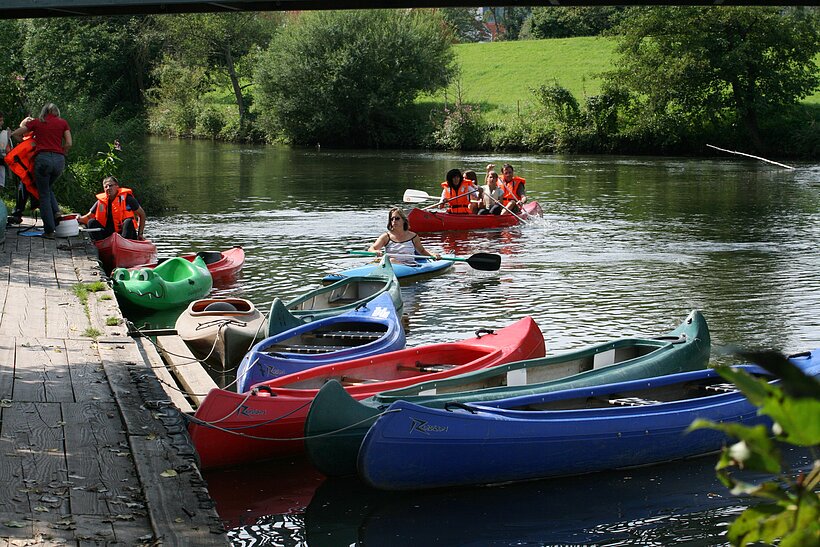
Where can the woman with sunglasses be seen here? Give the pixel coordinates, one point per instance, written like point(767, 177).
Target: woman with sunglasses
point(398, 240)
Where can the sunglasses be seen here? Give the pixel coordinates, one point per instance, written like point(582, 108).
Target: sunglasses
point(392, 219)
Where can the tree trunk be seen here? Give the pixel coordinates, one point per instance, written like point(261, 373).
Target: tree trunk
point(744, 97)
point(237, 90)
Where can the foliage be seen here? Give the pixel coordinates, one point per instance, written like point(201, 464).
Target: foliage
point(509, 18)
point(348, 78)
point(565, 22)
point(175, 99)
point(465, 24)
point(11, 74)
point(460, 126)
point(791, 514)
point(718, 65)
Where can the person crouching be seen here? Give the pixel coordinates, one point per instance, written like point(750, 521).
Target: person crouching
point(116, 210)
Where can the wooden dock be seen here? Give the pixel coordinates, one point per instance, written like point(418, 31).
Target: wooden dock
point(92, 449)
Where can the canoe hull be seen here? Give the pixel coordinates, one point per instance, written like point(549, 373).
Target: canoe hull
point(277, 409)
point(424, 221)
point(412, 446)
point(117, 252)
point(339, 423)
point(223, 265)
point(404, 272)
point(217, 336)
point(369, 330)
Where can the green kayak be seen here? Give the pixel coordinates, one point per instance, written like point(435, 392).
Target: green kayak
point(337, 423)
point(173, 283)
point(341, 297)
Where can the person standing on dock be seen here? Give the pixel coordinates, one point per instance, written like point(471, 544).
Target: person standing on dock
point(53, 137)
point(116, 210)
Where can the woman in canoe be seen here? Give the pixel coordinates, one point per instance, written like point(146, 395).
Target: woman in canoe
point(399, 242)
point(457, 193)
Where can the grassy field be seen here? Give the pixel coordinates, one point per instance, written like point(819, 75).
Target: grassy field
point(498, 76)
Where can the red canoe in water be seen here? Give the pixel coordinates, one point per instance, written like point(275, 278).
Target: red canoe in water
point(221, 264)
point(268, 421)
point(434, 221)
point(117, 252)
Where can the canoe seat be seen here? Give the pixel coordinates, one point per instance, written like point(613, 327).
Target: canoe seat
point(277, 348)
point(721, 388)
point(348, 335)
point(632, 401)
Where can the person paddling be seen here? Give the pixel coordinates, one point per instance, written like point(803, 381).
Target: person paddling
point(399, 240)
point(515, 195)
point(456, 193)
point(116, 210)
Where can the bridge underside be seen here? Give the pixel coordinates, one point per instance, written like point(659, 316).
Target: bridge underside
point(23, 9)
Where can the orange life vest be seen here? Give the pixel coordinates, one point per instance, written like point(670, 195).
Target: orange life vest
point(461, 204)
point(21, 162)
point(118, 211)
point(511, 190)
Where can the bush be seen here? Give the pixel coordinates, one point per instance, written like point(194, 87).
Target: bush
point(209, 122)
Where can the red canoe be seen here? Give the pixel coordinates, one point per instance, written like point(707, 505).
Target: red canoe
point(221, 264)
point(268, 421)
point(117, 252)
point(432, 221)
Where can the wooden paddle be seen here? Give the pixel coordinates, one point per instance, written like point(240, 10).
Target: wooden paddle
point(487, 262)
point(492, 197)
point(417, 196)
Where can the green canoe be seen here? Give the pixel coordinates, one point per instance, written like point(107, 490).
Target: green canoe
point(173, 283)
point(337, 423)
point(341, 297)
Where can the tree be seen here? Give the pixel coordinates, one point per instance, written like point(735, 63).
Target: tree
point(564, 22)
point(718, 64)
point(348, 78)
point(12, 99)
point(220, 41)
point(465, 23)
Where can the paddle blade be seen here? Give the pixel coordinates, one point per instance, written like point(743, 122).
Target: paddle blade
point(416, 196)
point(487, 262)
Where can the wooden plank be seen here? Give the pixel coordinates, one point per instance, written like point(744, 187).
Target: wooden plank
point(65, 315)
point(186, 368)
point(18, 269)
point(64, 269)
point(24, 311)
point(7, 350)
point(98, 457)
point(102, 306)
point(119, 359)
point(41, 371)
point(169, 385)
point(5, 260)
point(119, 529)
point(87, 372)
point(180, 508)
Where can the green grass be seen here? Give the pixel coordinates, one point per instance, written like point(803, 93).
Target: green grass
point(499, 76)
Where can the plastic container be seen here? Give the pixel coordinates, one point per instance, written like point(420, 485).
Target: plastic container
point(68, 227)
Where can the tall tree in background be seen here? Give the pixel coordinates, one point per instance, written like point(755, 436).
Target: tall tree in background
point(466, 24)
point(347, 78)
point(564, 22)
point(721, 63)
point(220, 41)
point(12, 90)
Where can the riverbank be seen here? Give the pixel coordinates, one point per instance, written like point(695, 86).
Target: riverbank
point(91, 449)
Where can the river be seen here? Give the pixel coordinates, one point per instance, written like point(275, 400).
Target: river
point(627, 247)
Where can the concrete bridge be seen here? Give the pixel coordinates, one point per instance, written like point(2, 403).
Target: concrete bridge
point(22, 9)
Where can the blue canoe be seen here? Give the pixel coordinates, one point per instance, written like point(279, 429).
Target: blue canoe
point(404, 272)
point(569, 432)
point(370, 329)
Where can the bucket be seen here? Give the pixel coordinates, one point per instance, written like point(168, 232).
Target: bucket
point(68, 227)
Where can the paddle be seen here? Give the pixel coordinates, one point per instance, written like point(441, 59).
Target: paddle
point(492, 197)
point(417, 196)
point(487, 262)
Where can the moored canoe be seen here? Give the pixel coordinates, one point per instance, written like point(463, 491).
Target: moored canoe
point(571, 432)
point(117, 252)
point(173, 283)
point(422, 220)
point(370, 329)
point(234, 428)
point(342, 296)
point(220, 331)
point(336, 423)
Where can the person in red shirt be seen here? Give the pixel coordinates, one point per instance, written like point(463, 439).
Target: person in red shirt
point(53, 137)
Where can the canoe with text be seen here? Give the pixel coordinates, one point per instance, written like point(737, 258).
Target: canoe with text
point(422, 220)
point(175, 282)
point(117, 252)
point(577, 431)
point(404, 272)
point(337, 423)
point(234, 428)
point(342, 296)
point(370, 329)
point(220, 331)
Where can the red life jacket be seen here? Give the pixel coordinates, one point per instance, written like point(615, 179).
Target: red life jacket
point(459, 205)
point(21, 162)
point(118, 211)
point(511, 190)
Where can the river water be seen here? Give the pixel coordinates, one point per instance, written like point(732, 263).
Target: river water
point(627, 247)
